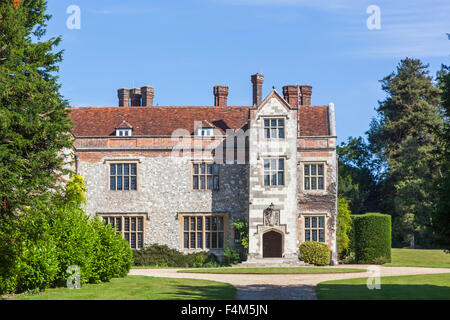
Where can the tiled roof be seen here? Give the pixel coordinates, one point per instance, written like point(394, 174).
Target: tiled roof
point(154, 121)
point(163, 121)
point(314, 121)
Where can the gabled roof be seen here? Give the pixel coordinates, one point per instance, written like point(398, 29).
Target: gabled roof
point(154, 121)
point(276, 95)
point(124, 125)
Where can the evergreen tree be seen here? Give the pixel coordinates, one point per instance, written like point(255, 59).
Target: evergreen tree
point(441, 217)
point(405, 136)
point(34, 128)
point(357, 175)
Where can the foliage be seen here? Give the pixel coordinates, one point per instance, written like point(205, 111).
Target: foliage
point(344, 227)
point(231, 257)
point(162, 256)
point(34, 127)
point(372, 238)
point(241, 226)
point(441, 215)
point(315, 253)
point(358, 173)
point(47, 240)
point(405, 136)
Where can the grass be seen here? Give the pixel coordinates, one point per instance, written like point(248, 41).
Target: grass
point(419, 258)
point(142, 288)
point(278, 270)
point(417, 287)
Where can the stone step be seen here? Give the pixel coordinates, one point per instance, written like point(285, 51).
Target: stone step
point(272, 262)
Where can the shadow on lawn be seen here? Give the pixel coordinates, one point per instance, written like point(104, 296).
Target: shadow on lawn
point(386, 292)
point(274, 292)
point(202, 293)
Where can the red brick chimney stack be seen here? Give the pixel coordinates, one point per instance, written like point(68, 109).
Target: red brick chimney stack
point(306, 95)
point(135, 95)
point(257, 81)
point(290, 94)
point(124, 97)
point(147, 93)
point(220, 96)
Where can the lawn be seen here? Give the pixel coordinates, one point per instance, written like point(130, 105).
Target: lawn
point(419, 258)
point(417, 287)
point(142, 288)
point(278, 270)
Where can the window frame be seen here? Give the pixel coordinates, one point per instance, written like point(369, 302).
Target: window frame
point(204, 216)
point(124, 133)
point(206, 175)
point(130, 232)
point(277, 127)
point(271, 171)
point(125, 162)
point(316, 176)
point(317, 228)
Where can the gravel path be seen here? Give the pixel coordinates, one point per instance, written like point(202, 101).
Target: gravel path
point(282, 286)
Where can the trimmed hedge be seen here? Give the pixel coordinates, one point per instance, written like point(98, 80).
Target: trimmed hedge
point(372, 238)
point(314, 252)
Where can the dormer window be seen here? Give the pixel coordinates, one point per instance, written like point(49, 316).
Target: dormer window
point(205, 132)
point(124, 132)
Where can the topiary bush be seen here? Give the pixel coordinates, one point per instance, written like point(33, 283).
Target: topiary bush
point(372, 238)
point(314, 252)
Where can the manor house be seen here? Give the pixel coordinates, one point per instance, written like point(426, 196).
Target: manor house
point(180, 175)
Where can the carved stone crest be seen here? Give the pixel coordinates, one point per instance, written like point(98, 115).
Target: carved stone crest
point(271, 216)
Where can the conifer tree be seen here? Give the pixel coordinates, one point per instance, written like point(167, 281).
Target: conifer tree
point(34, 127)
point(441, 217)
point(405, 136)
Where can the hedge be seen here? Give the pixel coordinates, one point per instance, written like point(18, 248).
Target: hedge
point(372, 238)
point(162, 256)
point(314, 252)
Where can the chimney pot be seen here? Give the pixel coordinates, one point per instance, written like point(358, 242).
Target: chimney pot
point(220, 96)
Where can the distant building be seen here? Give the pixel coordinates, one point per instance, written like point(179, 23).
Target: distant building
point(180, 175)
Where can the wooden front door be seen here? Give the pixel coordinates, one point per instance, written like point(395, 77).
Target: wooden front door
point(272, 245)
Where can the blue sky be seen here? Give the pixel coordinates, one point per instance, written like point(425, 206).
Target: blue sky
point(184, 48)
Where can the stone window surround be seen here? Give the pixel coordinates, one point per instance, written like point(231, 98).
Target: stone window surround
point(199, 161)
point(301, 165)
point(143, 215)
point(274, 117)
point(108, 162)
point(315, 215)
point(262, 171)
point(180, 217)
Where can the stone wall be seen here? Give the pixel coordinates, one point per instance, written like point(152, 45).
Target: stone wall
point(164, 190)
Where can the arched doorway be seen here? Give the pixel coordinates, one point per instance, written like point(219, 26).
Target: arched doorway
point(272, 245)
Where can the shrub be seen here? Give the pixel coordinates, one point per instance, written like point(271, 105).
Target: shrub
point(162, 256)
point(37, 267)
point(344, 227)
point(112, 254)
point(75, 242)
point(231, 257)
point(372, 238)
point(315, 253)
